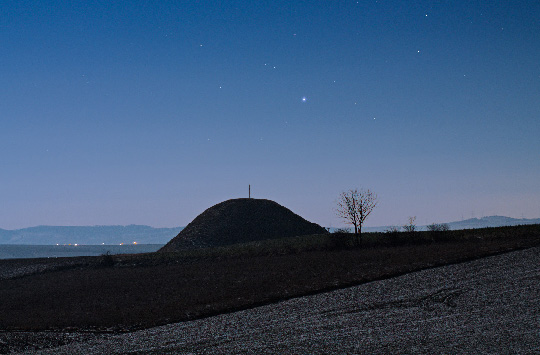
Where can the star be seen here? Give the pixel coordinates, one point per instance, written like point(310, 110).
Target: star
point(304, 99)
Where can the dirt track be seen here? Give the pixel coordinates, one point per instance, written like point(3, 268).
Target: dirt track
point(491, 305)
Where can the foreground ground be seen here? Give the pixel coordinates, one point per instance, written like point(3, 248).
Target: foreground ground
point(94, 299)
point(491, 305)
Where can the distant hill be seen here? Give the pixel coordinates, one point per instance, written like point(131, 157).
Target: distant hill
point(51, 235)
point(491, 221)
point(471, 223)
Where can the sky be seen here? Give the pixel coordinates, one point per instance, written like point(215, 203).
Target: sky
point(146, 112)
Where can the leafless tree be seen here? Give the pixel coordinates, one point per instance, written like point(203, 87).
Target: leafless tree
point(354, 206)
point(411, 226)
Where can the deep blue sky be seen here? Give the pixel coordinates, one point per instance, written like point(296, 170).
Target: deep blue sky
point(149, 112)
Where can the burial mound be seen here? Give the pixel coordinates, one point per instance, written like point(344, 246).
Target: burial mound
point(239, 221)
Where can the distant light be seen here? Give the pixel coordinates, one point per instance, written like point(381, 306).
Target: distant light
point(304, 99)
point(134, 242)
point(102, 243)
point(76, 244)
point(56, 243)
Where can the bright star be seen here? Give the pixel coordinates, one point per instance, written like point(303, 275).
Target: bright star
point(304, 99)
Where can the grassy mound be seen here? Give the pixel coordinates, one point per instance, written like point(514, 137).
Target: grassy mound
point(239, 221)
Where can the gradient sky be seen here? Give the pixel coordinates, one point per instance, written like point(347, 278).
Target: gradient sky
point(149, 112)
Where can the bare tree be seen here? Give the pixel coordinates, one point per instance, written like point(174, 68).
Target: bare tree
point(354, 206)
point(411, 226)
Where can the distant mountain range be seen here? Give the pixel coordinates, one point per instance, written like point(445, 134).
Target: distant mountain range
point(110, 235)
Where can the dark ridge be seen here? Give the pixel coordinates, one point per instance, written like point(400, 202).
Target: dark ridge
point(239, 221)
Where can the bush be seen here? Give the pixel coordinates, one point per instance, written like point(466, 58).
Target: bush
point(440, 227)
point(392, 229)
point(437, 231)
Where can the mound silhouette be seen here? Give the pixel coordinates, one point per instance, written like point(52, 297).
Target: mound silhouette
point(239, 221)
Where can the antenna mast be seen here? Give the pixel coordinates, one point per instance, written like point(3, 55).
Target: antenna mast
point(249, 191)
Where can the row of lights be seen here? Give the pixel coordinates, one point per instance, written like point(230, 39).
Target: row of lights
point(101, 244)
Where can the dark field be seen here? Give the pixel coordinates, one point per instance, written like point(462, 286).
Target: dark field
point(128, 292)
point(485, 306)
